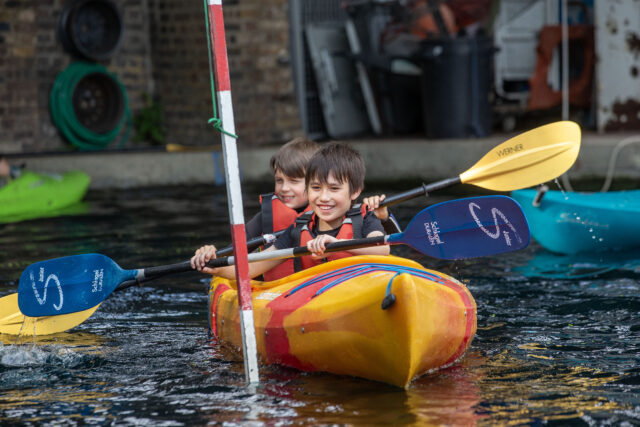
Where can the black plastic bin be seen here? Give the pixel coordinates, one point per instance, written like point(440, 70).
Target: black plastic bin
point(456, 85)
point(400, 101)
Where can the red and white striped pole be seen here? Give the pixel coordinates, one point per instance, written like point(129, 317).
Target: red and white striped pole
point(230, 152)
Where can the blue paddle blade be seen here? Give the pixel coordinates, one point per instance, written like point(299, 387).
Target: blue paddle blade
point(69, 284)
point(467, 228)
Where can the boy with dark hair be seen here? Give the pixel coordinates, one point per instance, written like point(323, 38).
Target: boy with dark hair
point(334, 180)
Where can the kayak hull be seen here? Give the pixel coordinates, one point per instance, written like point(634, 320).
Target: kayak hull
point(33, 194)
point(571, 223)
point(343, 329)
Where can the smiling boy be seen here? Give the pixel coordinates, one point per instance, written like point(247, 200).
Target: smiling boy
point(279, 209)
point(334, 180)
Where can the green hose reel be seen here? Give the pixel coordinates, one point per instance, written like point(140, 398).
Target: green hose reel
point(89, 106)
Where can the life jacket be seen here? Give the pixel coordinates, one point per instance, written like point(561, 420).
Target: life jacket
point(351, 229)
point(541, 95)
point(277, 216)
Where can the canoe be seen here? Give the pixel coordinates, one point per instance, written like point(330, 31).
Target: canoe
point(33, 194)
point(573, 222)
point(329, 318)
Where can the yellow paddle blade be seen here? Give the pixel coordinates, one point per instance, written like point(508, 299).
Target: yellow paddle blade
point(529, 159)
point(13, 322)
point(170, 147)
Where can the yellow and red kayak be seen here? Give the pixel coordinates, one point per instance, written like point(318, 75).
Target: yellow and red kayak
point(330, 318)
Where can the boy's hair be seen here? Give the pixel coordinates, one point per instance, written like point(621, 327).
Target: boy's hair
point(340, 160)
point(292, 158)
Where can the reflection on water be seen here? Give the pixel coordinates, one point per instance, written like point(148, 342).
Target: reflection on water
point(74, 209)
point(534, 388)
point(74, 406)
point(584, 265)
point(69, 339)
point(550, 348)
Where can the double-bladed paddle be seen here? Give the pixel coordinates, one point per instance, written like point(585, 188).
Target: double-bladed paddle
point(464, 228)
point(526, 160)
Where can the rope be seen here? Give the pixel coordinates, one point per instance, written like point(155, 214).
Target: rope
point(613, 158)
point(215, 120)
point(346, 273)
point(382, 267)
point(64, 116)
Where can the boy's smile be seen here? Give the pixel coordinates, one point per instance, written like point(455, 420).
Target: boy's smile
point(330, 201)
point(291, 191)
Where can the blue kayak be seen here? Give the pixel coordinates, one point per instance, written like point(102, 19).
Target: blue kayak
point(569, 222)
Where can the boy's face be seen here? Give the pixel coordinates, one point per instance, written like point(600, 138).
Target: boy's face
point(291, 191)
point(330, 201)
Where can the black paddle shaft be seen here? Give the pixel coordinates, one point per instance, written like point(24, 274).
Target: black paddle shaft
point(424, 190)
point(151, 273)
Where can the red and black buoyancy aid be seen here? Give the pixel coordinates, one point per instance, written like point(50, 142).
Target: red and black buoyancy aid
point(351, 229)
point(277, 216)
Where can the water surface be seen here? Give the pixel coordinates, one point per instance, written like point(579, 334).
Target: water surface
point(551, 348)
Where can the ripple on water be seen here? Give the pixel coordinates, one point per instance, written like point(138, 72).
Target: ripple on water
point(553, 349)
point(35, 365)
point(29, 354)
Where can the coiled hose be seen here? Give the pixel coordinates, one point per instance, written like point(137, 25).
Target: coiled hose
point(89, 106)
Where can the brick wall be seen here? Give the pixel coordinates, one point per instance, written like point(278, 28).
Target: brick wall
point(261, 77)
point(163, 52)
point(18, 75)
point(32, 56)
point(262, 89)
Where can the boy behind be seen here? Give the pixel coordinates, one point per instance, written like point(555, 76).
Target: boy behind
point(279, 209)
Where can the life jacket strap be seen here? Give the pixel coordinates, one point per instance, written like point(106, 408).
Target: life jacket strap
point(266, 210)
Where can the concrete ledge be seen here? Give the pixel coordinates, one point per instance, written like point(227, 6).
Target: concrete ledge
point(431, 160)
point(386, 159)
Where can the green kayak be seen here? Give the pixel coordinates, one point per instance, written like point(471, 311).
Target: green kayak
point(34, 194)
